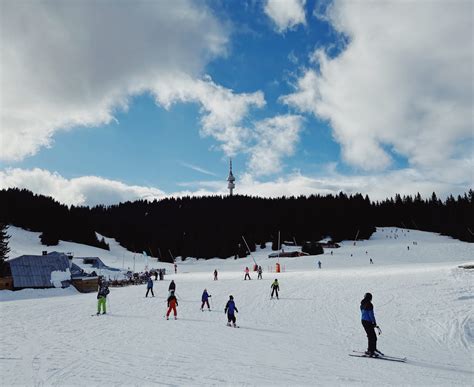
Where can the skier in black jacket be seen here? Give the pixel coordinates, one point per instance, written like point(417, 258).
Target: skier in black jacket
point(102, 297)
point(369, 324)
point(172, 287)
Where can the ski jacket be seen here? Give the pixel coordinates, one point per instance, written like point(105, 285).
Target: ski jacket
point(247, 270)
point(149, 284)
point(275, 285)
point(230, 307)
point(172, 286)
point(103, 291)
point(367, 311)
point(205, 296)
point(172, 301)
point(259, 270)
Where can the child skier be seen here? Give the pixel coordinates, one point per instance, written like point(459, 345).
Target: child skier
point(205, 300)
point(230, 309)
point(247, 273)
point(260, 272)
point(149, 286)
point(102, 297)
point(172, 304)
point(275, 288)
point(369, 324)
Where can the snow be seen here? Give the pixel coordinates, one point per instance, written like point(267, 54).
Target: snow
point(57, 276)
point(423, 304)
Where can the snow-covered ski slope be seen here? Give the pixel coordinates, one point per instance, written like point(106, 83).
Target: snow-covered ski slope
point(423, 303)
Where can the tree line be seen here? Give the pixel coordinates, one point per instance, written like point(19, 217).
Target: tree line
point(213, 226)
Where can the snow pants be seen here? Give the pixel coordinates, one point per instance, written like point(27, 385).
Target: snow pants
point(231, 318)
point(205, 303)
point(101, 302)
point(371, 336)
point(259, 276)
point(275, 290)
point(148, 290)
point(247, 275)
point(171, 308)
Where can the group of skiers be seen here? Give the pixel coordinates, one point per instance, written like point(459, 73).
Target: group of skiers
point(366, 307)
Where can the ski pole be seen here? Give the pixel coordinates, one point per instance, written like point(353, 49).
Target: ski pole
point(378, 329)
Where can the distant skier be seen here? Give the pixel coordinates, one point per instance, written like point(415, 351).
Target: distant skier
point(172, 304)
point(161, 274)
point(331, 252)
point(369, 324)
point(175, 268)
point(371, 262)
point(215, 275)
point(247, 273)
point(275, 288)
point(230, 309)
point(205, 300)
point(319, 264)
point(156, 275)
point(408, 247)
point(260, 271)
point(149, 286)
point(172, 287)
point(102, 297)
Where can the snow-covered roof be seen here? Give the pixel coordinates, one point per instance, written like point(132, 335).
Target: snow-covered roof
point(37, 271)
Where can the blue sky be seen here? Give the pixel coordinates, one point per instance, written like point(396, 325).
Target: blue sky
point(306, 97)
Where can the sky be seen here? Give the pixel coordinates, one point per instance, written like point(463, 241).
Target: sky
point(103, 102)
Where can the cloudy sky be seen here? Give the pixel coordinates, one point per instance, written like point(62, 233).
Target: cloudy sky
point(104, 101)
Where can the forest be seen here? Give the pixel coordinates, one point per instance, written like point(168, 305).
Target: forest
point(213, 226)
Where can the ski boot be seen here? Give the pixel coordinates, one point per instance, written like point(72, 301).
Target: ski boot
point(228, 324)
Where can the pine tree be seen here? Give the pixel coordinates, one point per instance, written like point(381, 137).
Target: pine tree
point(4, 237)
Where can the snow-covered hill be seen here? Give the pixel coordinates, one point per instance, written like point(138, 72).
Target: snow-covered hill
point(423, 303)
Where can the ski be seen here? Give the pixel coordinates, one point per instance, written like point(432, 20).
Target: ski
point(397, 359)
point(383, 355)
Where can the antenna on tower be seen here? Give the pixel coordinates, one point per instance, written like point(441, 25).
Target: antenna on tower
point(230, 179)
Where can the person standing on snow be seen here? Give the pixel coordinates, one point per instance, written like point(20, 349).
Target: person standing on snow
point(172, 304)
point(172, 287)
point(247, 273)
point(369, 324)
point(175, 268)
point(215, 275)
point(149, 286)
point(319, 264)
point(260, 272)
point(205, 300)
point(102, 297)
point(230, 309)
point(275, 288)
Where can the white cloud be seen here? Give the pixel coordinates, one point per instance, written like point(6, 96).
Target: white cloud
point(85, 190)
point(222, 110)
point(286, 14)
point(454, 178)
point(402, 84)
point(66, 64)
point(276, 138)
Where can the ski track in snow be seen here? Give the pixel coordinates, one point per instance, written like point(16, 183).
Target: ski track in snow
point(423, 303)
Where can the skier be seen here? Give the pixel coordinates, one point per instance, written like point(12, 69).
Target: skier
point(260, 270)
point(275, 288)
point(371, 262)
point(369, 324)
point(247, 273)
point(230, 308)
point(156, 275)
point(215, 275)
point(161, 274)
point(102, 297)
point(319, 264)
point(149, 286)
point(172, 287)
point(172, 304)
point(175, 268)
point(205, 300)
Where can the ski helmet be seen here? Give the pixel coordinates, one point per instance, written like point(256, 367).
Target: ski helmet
point(231, 297)
point(368, 296)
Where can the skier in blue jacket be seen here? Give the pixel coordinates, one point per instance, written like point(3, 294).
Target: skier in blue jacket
point(369, 324)
point(230, 309)
point(205, 300)
point(149, 287)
